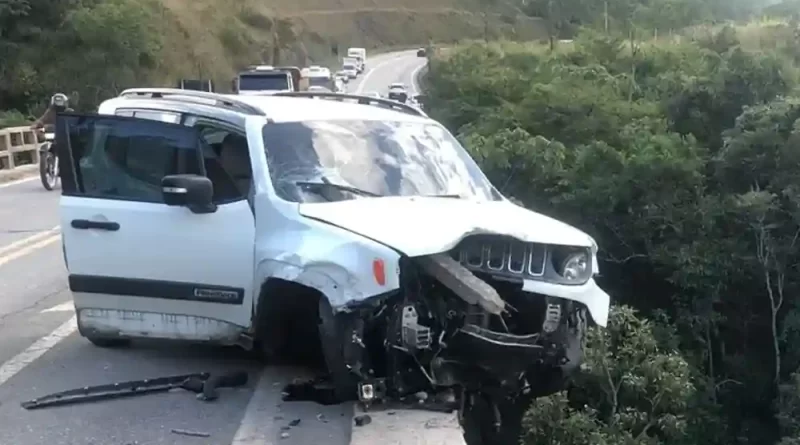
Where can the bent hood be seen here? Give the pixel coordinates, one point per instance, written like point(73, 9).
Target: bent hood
point(419, 226)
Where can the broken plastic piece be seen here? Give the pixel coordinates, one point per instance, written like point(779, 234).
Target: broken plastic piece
point(190, 433)
point(202, 383)
point(414, 335)
point(462, 282)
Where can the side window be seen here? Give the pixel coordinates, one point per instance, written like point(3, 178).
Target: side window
point(226, 159)
point(125, 158)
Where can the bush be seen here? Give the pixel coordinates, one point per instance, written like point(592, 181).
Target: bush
point(682, 160)
point(632, 391)
point(12, 119)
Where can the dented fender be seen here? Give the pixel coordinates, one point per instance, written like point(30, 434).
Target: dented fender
point(345, 275)
point(597, 301)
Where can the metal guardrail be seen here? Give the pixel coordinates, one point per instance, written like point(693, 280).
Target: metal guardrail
point(18, 147)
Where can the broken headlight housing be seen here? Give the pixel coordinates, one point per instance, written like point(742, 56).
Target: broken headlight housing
point(573, 265)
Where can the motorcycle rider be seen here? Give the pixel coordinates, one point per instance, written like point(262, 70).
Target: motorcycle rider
point(58, 103)
point(48, 166)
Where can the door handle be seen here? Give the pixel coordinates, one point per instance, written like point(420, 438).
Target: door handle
point(85, 224)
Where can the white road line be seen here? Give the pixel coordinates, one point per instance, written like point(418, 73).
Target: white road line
point(257, 426)
point(28, 249)
point(37, 349)
point(69, 306)
point(17, 181)
point(408, 427)
point(17, 244)
point(414, 74)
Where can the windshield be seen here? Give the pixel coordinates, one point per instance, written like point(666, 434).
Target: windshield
point(378, 157)
point(260, 82)
point(319, 81)
point(349, 67)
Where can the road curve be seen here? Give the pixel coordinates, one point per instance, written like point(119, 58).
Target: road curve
point(40, 352)
point(385, 69)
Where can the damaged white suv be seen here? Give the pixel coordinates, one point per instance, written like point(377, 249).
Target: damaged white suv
point(241, 220)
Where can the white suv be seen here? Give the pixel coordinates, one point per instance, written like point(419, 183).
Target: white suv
point(244, 219)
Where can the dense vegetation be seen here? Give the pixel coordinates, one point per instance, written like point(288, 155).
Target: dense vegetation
point(682, 158)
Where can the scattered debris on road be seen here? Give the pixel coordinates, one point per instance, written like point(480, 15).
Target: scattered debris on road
point(362, 419)
point(190, 433)
point(317, 390)
point(204, 384)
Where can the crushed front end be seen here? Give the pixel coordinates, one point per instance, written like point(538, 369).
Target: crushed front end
point(463, 323)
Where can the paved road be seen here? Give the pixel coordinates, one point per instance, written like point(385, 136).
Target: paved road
point(387, 69)
point(40, 352)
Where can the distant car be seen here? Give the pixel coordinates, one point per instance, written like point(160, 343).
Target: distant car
point(421, 52)
point(319, 89)
point(350, 70)
point(398, 92)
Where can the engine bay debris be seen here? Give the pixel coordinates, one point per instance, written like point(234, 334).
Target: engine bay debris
point(455, 336)
point(463, 282)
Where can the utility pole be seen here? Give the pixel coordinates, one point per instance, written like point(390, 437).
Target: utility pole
point(605, 15)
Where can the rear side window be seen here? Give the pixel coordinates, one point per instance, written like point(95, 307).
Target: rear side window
point(124, 158)
point(261, 82)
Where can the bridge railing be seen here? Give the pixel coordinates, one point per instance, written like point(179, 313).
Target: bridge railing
point(18, 147)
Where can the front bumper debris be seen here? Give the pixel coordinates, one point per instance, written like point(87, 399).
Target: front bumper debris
point(204, 384)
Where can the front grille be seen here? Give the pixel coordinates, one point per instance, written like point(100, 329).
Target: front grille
point(504, 255)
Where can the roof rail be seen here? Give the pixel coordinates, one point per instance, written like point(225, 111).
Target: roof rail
point(365, 100)
point(176, 94)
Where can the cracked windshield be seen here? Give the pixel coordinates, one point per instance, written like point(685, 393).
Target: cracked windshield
point(460, 222)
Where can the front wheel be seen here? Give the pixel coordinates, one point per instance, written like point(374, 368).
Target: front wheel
point(492, 422)
point(48, 169)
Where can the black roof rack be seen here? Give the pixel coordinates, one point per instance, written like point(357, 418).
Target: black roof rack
point(178, 95)
point(365, 100)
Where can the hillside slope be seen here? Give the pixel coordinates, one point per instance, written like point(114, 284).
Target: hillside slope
point(212, 38)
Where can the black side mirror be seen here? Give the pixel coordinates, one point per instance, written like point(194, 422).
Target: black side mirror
point(193, 191)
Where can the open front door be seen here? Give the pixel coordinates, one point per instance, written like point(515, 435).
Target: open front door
point(138, 267)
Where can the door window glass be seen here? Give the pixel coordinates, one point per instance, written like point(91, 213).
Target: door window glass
point(126, 158)
point(227, 163)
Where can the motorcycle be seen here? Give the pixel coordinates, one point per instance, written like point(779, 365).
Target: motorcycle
point(48, 159)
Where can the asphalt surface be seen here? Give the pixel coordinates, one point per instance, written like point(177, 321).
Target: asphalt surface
point(40, 351)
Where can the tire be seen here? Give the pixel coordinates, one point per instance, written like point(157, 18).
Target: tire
point(107, 342)
point(332, 340)
point(48, 183)
point(478, 417)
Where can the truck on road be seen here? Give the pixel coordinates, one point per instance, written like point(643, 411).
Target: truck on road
point(266, 79)
point(360, 54)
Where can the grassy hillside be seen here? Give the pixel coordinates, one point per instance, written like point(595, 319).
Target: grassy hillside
point(212, 38)
point(92, 49)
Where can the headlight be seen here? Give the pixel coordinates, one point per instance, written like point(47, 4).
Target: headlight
point(576, 267)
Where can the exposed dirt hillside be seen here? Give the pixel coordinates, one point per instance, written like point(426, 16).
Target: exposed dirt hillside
point(211, 38)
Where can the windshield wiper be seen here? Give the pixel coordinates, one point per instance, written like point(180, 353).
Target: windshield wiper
point(346, 188)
